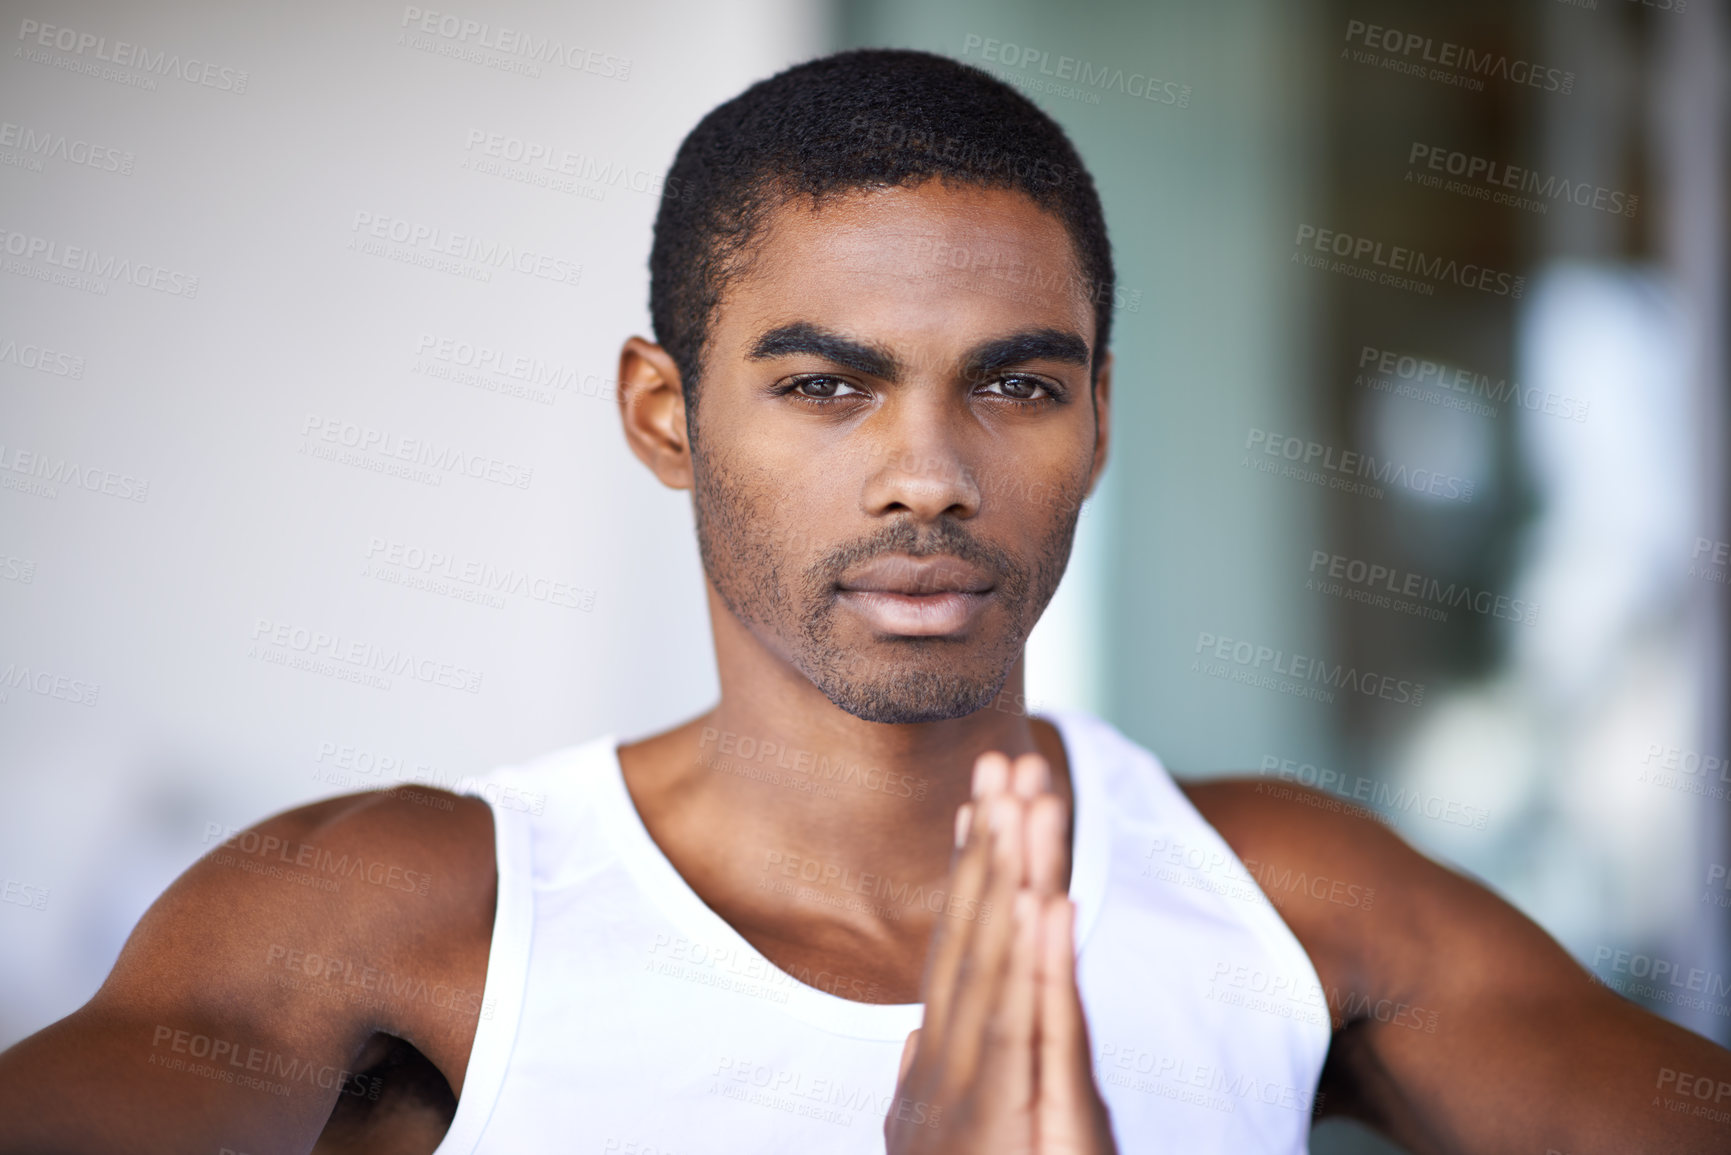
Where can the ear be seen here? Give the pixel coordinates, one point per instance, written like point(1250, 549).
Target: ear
point(652, 409)
point(1102, 420)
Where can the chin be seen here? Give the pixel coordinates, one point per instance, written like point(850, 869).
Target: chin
point(913, 697)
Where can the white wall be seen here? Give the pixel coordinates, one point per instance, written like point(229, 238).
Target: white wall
point(192, 517)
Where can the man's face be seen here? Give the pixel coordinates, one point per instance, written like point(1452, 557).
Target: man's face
point(896, 429)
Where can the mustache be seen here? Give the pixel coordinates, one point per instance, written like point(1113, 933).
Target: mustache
point(904, 537)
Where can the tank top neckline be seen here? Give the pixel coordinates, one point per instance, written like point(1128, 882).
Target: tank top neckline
point(651, 869)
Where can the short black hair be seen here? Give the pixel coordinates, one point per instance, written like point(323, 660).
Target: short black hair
point(867, 118)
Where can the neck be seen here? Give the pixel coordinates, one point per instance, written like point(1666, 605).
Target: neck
point(864, 776)
point(776, 780)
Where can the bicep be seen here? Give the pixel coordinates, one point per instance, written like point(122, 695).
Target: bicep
point(1518, 1048)
point(1460, 1025)
point(221, 1023)
point(168, 1079)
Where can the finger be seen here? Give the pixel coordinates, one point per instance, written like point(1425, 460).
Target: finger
point(1030, 775)
point(991, 774)
point(951, 935)
point(1048, 845)
point(1065, 1068)
point(964, 819)
point(903, 1091)
point(908, 1050)
point(1069, 1097)
point(985, 964)
point(1008, 1066)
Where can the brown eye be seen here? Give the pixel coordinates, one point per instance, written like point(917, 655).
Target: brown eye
point(1019, 388)
point(823, 388)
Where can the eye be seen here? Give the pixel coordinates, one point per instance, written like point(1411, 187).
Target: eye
point(820, 387)
point(1020, 387)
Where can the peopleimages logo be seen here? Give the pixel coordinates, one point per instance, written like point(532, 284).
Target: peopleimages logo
point(232, 1062)
point(425, 245)
point(897, 895)
point(1183, 1079)
point(1390, 799)
point(37, 35)
point(1295, 673)
point(41, 144)
point(1663, 980)
point(1100, 77)
point(1407, 375)
point(1447, 61)
point(1397, 260)
point(1386, 587)
point(1711, 560)
point(1350, 463)
point(282, 643)
point(817, 1097)
point(43, 360)
point(384, 451)
point(44, 474)
point(1492, 180)
point(48, 684)
point(468, 579)
point(555, 161)
point(529, 49)
point(748, 749)
point(19, 893)
point(93, 268)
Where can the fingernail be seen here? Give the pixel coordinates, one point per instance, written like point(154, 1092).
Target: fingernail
point(964, 818)
point(1031, 776)
point(990, 773)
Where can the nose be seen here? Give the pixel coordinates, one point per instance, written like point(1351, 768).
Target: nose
point(921, 471)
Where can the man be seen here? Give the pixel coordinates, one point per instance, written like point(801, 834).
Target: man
point(857, 905)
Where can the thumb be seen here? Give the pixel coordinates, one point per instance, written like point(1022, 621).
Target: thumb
point(908, 1049)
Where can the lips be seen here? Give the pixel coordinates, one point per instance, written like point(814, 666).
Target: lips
point(901, 596)
point(917, 576)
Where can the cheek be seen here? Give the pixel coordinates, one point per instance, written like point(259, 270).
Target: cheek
point(756, 518)
point(1038, 499)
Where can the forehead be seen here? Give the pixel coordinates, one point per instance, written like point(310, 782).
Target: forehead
point(930, 262)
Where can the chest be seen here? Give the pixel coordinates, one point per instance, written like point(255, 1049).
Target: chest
point(1205, 1033)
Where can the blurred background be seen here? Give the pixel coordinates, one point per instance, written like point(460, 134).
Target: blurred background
point(1421, 347)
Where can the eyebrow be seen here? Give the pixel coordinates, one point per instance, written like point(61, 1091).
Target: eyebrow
point(803, 337)
point(1019, 348)
point(995, 355)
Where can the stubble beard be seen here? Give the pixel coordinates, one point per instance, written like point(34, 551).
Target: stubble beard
point(898, 681)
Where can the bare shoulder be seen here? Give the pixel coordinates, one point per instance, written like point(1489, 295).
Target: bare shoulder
point(253, 989)
point(1272, 815)
point(1443, 996)
point(350, 910)
point(1376, 916)
point(1341, 879)
point(1342, 876)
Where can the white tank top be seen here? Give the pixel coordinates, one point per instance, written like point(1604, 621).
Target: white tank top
point(621, 1014)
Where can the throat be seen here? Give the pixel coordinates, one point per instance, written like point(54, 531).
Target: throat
point(841, 893)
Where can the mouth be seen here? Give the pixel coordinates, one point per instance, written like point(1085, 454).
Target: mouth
point(903, 596)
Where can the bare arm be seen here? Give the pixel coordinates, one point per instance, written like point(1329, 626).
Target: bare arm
point(1460, 1025)
point(237, 1010)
